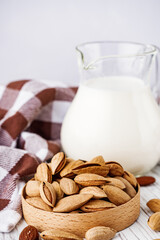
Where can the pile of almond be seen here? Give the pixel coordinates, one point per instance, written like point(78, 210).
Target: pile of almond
point(76, 186)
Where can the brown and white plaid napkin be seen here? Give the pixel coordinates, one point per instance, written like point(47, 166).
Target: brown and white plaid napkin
point(31, 114)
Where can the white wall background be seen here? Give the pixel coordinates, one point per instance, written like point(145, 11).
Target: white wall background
point(38, 37)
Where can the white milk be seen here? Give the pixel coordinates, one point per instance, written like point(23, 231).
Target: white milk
point(116, 117)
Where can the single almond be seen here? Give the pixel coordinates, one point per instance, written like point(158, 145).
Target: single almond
point(115, 169)
point(95, 191)
point(72, 202)
point(48, 193)
point(154, 221)
point(67, 170)
point(98, 159)
point(129, 189)
point(145, 180)
point(68, 186)
point(43, 173)
point(154, 205)
point(58, 162)
point(32, 188)
point(100, 233)
point(57, 234)
point(97, 205)
point(130, 178)
point(92, 168)
point(115, 182)
point(59, 192)
point(116, 195)
point(38, 203)
point(89, 179)
point(29, 233)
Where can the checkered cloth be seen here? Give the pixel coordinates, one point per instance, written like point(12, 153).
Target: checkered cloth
point(31, 114)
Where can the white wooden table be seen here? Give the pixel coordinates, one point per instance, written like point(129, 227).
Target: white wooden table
point(139, 230)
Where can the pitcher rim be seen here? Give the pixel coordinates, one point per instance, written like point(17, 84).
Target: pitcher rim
point(152, 46)
point(86, 66)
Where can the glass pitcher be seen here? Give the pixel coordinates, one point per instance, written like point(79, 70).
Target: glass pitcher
point(115, 112)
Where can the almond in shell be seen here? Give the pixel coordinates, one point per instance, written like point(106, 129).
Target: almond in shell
point(72, 202)
point(154, 205)
point(97, 205)
point(59, 192)
point(115, 182)
point(57, 162)
point(100, 233)
point(92, 168)
point(130, 178)
point(32, 188)
point(57, 234)
point(89, 179)
point(129, 189)
point(154, 221)
point(38, 203)
point(68, 186)
point(48, 193)
point(116, 195)
point(67, 170)
point(96, 191)
point(115, 169)
point(99, 160)
point(43, 173)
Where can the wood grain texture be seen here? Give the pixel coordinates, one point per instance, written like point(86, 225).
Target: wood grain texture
point(117, 218)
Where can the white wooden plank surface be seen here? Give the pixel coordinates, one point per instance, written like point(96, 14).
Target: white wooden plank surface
point(139, 230)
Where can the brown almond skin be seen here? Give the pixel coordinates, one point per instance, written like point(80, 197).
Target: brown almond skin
point(29, 233)
point(154, 205)
point(145, 180)
point(100, 233)
point(154, 221)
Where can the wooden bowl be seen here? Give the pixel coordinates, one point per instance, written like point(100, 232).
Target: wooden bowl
point(118, 218)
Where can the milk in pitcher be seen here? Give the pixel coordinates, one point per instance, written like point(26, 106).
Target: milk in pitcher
point(116, 117)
